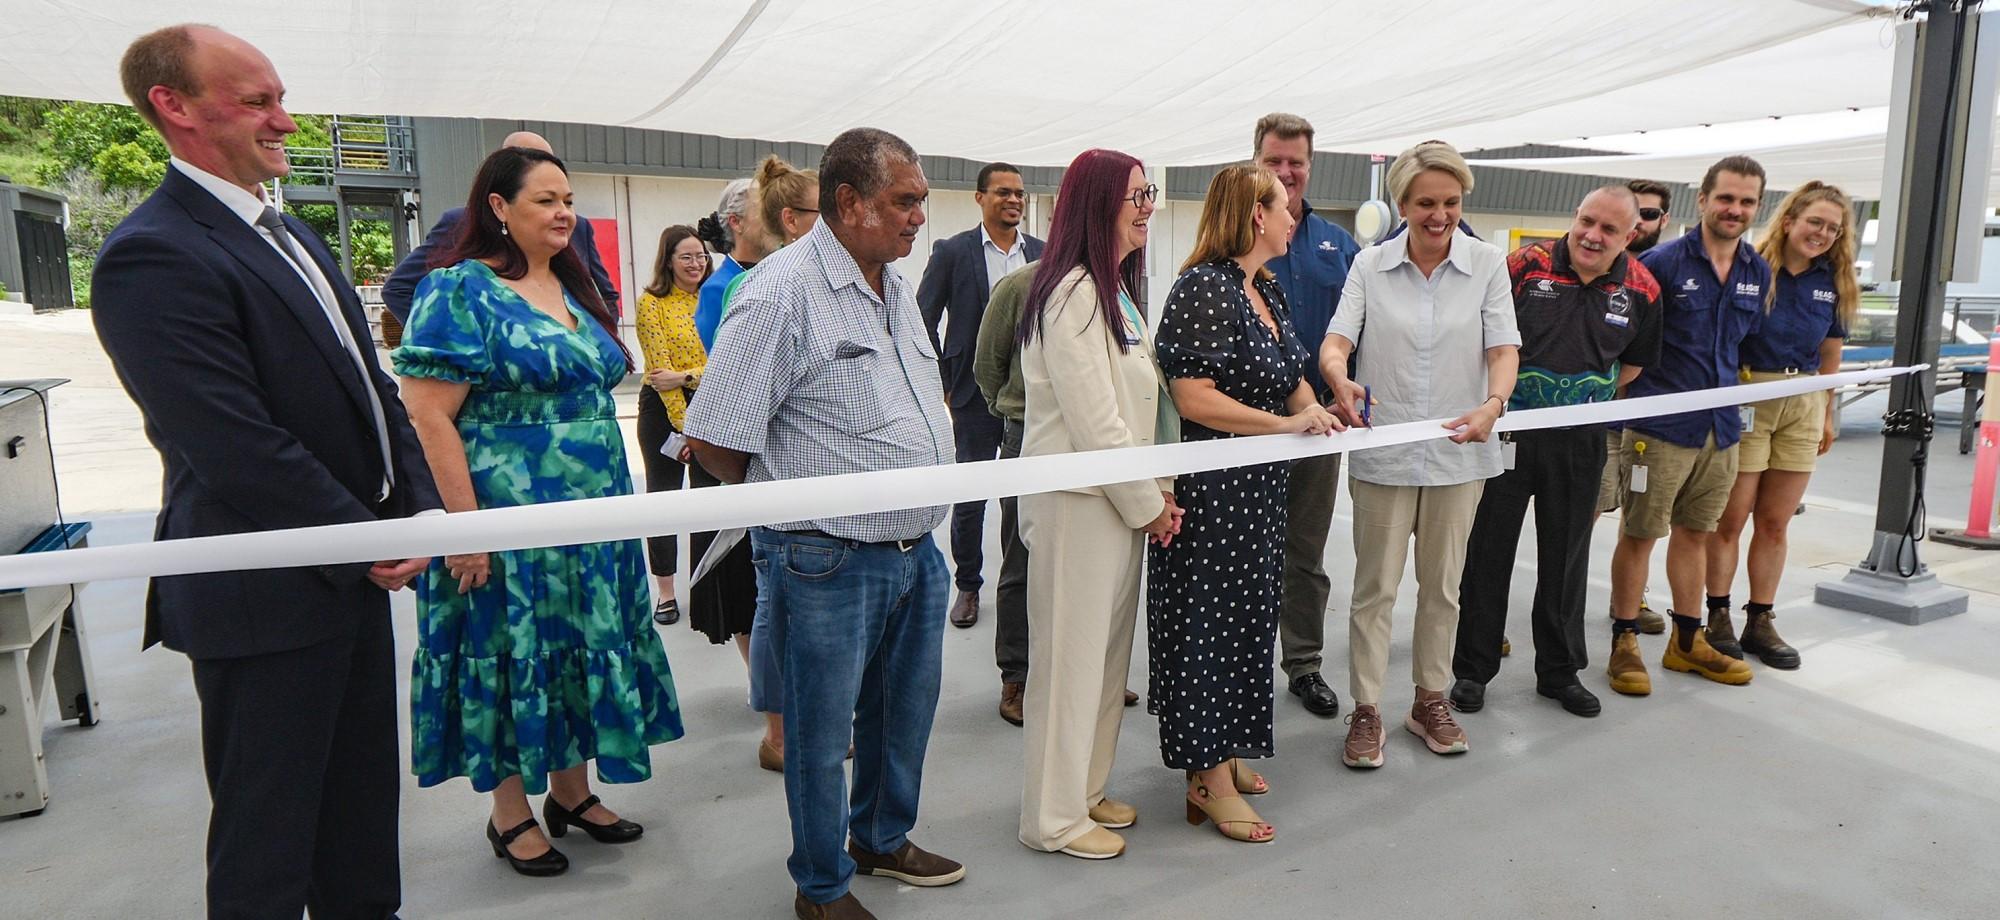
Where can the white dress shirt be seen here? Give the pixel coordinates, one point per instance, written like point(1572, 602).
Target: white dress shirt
point(1001, 262)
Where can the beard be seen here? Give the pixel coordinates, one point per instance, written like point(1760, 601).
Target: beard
point(1642, 243)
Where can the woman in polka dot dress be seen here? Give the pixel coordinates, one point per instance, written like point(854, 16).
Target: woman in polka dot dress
point(1235, 367)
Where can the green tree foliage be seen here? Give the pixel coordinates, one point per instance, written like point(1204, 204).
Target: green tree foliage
point(374, 252)
point(75, 133)
point(128, 165)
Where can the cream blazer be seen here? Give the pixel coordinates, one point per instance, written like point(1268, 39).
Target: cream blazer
point(1085, 394)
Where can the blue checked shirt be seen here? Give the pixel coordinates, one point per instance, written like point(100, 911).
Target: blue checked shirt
point(813, 375)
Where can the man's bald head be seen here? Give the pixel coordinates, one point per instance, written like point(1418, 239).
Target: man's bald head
point(1613, 196)
point(530, 140)
point(1606, 221)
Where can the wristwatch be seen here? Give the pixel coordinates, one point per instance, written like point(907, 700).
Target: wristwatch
point(1503, 402)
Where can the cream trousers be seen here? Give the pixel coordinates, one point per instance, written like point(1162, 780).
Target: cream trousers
point(1083, 600)
point(1385, 520)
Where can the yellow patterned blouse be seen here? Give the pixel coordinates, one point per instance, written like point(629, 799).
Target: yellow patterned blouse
point(668, 339)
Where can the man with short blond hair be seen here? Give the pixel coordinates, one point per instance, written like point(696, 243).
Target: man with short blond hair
point(234, 332)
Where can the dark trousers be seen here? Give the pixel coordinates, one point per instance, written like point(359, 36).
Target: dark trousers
point(1010, 629)
point(303, 773)
point(1558, 468)
point(663, 473)
point(977, 432)
point(1309, 494)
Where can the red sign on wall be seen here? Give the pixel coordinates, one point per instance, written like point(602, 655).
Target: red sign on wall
point(605, 230)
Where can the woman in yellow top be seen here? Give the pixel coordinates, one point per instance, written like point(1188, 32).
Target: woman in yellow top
point(674, 360)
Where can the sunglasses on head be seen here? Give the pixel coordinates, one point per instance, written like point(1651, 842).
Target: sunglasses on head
point(1651, 213)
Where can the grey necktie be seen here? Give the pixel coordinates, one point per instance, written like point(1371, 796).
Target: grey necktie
point(275, 225)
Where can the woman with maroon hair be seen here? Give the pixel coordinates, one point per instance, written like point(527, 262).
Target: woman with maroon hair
point(1235, 368)
point(1087, 365)
point(529, 662)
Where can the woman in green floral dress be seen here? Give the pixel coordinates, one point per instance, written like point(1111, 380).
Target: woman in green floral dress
point(529, 662)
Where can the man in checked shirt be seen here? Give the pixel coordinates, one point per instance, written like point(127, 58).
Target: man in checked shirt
point(823, 366)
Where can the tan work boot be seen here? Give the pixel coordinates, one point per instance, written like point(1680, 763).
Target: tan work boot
point(1761, 639)
point(1430, 719)
point(1702, 658)
point(1627, 669)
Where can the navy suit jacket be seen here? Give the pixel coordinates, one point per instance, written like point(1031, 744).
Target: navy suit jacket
point(955, 283)
point(258, 414)
point(401, 287)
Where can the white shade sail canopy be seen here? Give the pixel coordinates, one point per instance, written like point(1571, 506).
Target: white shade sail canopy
point(1031, 81)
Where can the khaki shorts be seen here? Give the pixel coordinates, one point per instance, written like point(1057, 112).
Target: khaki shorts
point(1610, 486)
point(1785, 434)
point(1685, 486)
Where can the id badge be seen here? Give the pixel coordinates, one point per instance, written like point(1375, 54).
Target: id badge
point(1749, 414)
point(1638, 479)
point(1507, 453)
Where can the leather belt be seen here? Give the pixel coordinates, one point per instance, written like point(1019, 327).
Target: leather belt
point(902, 546)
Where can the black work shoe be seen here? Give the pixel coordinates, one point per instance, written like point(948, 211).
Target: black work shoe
point(1319, 699)
point(1761, 639)
point(1468, 695)
point(1574, 699)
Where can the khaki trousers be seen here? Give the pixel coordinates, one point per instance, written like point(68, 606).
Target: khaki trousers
point(1385, 520)
point(1083, 600)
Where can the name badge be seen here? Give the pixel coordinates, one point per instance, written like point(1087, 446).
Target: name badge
point(1616, 320)
point(1638, 479)
point(1749, 416)
point(1507, 454)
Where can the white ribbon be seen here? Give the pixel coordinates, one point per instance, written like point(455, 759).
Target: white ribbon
point(632, 516)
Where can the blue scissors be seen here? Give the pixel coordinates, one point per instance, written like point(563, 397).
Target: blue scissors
point(1367, 399)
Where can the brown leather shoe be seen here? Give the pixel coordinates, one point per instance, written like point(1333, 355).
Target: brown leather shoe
point(1761, 639)
point(1010, 700)
point(910, 865)
point(769, 757)
point(1131, 699)
point(844, 907)
point(965, 611)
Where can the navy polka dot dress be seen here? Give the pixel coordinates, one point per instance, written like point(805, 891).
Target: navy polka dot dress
point(1212, 601)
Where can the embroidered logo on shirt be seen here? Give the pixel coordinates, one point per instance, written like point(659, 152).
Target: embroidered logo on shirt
point(1826, 297)
point(1327, 246)
point(1691, 285)
point(1620, 303)
point(1749, 290)
point(1546, 286)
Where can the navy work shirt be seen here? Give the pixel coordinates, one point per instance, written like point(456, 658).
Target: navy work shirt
point(1703, 319)
point(1312, 272)
point(1804, 314)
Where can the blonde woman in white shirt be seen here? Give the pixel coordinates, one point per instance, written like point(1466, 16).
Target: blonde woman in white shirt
point(1429, 316)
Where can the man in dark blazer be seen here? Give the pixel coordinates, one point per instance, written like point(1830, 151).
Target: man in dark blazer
point(246, 350)
point(401, 286)
point(960, 275)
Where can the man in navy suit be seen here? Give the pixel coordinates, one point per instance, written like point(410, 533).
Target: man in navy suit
point(960, 275)
point(233, 330)
point(401, 286)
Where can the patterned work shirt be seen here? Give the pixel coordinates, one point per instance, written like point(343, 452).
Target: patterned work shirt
point(813, 375)
point(1576, 336)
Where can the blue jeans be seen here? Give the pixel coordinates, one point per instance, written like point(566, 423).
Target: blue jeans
point(858, 631)
point(767, 680)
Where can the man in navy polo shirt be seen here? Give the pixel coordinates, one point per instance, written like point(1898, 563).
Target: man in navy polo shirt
point(1590, 320)
point(1678, 469)
point(1312, 273)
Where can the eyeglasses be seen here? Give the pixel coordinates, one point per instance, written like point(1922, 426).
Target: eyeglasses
point(691, 258)
point(1818, 225)
point(807, 210)
point(1020, 193)
point(1144, 196)
point(1652, 213)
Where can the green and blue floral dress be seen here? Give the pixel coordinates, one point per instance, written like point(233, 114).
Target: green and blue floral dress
point(554, 661)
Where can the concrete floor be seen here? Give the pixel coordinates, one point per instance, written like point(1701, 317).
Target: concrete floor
point(1863, 785)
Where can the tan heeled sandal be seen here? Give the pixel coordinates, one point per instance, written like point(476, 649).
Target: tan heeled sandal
point(1248, 781)
point(1233, 817)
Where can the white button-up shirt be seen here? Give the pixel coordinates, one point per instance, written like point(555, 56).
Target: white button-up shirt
point(1001, 262)
point(1420, 346)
